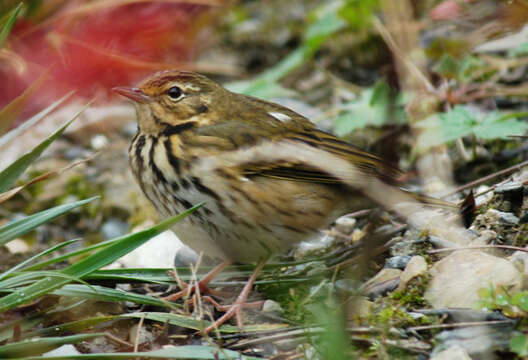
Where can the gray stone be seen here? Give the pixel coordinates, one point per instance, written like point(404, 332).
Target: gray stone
point(456, 279)
point(417, 266)
point(185, 257)
point(505, 218)
point(345, 224)
point(74, 152)
point(271, 306)
point(480, 342)
point(454, 352)
point(509, 187)
point(397, 262)
point(114, 228)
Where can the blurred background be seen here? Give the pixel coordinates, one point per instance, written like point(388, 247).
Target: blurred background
point(437, 87)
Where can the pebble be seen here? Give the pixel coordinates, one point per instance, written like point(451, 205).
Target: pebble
point(505, 218)
point(74, 152)
point(384, 281)
point(455, 352)
point(64, 350)
point(185, 257)
point(271, 306)
point(17, 246)
point(145, 336)
point(345, 224)
point(114, 228)
point(99, 141)
point(397, 262)
point(417, 266)
point(478, 341)
point(509, 187)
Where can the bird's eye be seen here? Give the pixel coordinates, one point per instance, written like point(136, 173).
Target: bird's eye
point(174, 93)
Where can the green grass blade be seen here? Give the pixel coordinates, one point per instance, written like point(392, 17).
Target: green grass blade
point(39, 346)
point(197, 352)
point(93, 262)
point(4, 139)
point(43, 253)
point(9, 24)
point(101, 293)
point(64, 257)
point(10, 174)
point(20, 227)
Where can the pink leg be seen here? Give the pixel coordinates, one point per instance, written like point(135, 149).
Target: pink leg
point(236, 308)
point(201, 284)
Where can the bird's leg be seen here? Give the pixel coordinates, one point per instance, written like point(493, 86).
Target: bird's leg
point(235, 309)
point(201, 285)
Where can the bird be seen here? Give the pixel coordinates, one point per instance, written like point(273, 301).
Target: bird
point(253, 208)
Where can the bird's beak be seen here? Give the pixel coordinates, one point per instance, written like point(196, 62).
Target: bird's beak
point(134, 94)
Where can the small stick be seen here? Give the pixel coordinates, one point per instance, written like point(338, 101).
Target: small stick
point(509, 247)
point(486, 178)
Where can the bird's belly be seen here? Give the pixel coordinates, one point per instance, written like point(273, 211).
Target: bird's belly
point(242, 219)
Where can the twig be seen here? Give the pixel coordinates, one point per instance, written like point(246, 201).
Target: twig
point(509, 247)
point(486, 178)
point(461, 324)
point(138, 332)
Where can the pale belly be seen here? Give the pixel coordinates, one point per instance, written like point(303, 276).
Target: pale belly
point(242, 219)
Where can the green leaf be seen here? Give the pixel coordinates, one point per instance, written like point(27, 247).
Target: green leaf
point(463, 120)
point(371, 108)
point(10, 175)
point(39, 346)
point(520, 299)
point(93, 262)
point(358, 13)
point(168, 352)
point(9, 24)
point(519, 344)
point(20, 227)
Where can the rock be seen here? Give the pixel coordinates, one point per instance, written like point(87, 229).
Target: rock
point(485, 238)
point(314, 247)
point(452, 353)
point(185, 257)
point(158, 252)
point(345, 224)
point(144, 335)
point(384, 281)
point(271, 306)
point(494, 216)
point(520, 260)
point(456, 279)
point(441, 243)
point(74, 152)
point(64, 350)
point(397, 262)
point(99, 141)
point(114, 228)
point(509, 187)
point(417, 266)
point(480, 342)
point(17, 246)
point(524, 218)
